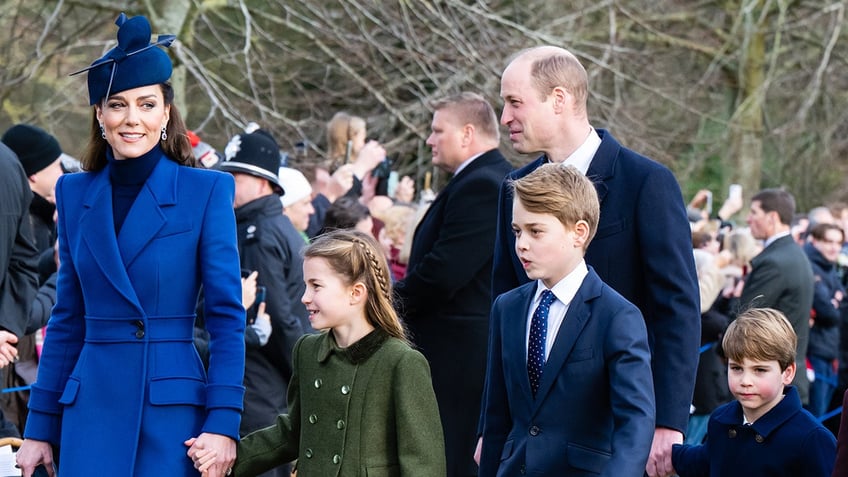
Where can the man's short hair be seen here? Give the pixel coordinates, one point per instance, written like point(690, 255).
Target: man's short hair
point(761, 334)
point(819, 231)
point(552, 67)
point(471, 108)
point(777, 200)
point(561, 191)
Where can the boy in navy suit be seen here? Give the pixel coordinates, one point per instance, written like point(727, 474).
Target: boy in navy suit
point(569, 390)
point(765, 431)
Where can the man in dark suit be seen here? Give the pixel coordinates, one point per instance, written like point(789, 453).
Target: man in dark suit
point(781, 276)
point(643, 245)
point(445, 296)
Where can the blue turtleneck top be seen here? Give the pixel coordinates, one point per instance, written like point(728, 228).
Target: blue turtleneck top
point(127, 177)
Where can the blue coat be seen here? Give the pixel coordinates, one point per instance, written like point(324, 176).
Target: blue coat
point(786, 441)
point(120, 385)
point(643, 250)
point(594, 411)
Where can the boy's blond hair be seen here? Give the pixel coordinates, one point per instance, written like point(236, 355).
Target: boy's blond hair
point(561, 191)
point(761, 334)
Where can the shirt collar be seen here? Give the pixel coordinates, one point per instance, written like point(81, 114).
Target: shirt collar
point(465, 163)
point(581, 158)
point(774, 237)
point(565, 289)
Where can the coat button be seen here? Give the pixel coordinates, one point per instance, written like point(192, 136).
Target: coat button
point(313, 418)
point(534, 431)
point(523, 469)
point(308, 453)
point(337, 458)
point(731, 433)
point(345, 389)
point(759, 438)
point(318, 383)
point(140, 331)
point(340, 424)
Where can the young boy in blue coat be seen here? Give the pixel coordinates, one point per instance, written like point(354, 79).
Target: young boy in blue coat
point(765, 432)
point(568, 390)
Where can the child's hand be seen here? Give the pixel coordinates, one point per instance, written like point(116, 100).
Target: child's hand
point(203, 459)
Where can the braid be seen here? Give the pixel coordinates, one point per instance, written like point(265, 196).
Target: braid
point(375, 265)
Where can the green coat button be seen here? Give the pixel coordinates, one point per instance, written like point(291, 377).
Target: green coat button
point(318, 383)
point(308, 453)
point(337, 458)
point(313, 418)
point(340, 425)
point(345, 389)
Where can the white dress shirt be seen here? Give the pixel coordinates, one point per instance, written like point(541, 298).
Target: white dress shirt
point(564, 292)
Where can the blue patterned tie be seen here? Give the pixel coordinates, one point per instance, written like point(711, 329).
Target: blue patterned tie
point(536, 345)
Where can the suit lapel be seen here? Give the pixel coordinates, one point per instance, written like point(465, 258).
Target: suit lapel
point(515, 340)
point(576, 317)
point(146, 217)
point(98, 233)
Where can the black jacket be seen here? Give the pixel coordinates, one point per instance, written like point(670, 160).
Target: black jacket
point(824, 335)
point(264, 247)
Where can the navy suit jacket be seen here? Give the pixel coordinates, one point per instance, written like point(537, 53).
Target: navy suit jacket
point(643, 250)
point(594, 410)
point(449, 271)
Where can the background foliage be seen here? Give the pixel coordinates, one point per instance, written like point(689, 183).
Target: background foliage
point(721, 91)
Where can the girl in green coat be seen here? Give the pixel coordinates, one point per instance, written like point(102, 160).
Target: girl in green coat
point(361, 400)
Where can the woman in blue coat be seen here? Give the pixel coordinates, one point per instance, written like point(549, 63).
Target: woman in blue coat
point(120, 386)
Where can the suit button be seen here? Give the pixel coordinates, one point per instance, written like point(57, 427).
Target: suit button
point(313, 418)
point(308, 453)
point(318, 383)
point(731, 433)
point(340, 425)
point(534, 431)
point(345, 389)
point(523, 469)
point(337, 458)
point(759, 438)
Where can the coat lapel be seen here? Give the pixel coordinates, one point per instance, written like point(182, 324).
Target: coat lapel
point(98, 233)
point(602, 167)
point(576, 317)
point(515, 340)
point(146, 217)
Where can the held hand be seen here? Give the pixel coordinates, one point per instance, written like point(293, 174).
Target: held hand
point(659, 460)
point(212, 454)
point(8, 351)
point(369, 157)
point(33, 453)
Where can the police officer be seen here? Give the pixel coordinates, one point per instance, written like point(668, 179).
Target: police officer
point(254, 160)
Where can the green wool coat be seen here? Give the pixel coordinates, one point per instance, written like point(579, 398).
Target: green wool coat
point(366, 410)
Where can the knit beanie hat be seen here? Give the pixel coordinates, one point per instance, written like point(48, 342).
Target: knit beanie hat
point(35, 147)
point(296, 186)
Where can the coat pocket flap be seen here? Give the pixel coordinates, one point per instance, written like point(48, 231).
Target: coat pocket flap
point(69, 395)
point(176, 390)
point(586, 458)
point(507, 450)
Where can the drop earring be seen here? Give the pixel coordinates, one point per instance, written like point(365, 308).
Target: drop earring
point(164, 134)
point(102, 132)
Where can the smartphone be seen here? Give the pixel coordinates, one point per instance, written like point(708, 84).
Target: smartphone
point(260, 294)
point(735, 190)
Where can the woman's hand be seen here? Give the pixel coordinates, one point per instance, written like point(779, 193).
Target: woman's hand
point(33, 453)
point(213, 454)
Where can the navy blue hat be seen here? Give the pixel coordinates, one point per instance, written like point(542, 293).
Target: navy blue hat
point(133, 63)
point(255, 153)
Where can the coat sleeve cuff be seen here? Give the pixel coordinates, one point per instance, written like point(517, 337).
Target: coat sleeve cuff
point(42, 426)
point(221, 421)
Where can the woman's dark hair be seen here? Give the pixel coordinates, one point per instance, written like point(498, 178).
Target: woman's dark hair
point(344, 213)
point(177, 147)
